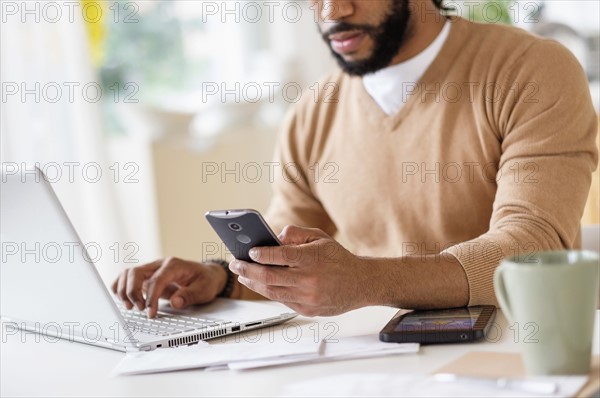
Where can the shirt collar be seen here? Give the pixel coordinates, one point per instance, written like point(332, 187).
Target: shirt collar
point(386, 86)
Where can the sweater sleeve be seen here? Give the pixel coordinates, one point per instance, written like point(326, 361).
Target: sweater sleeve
point(293, 201)
point(547, 128)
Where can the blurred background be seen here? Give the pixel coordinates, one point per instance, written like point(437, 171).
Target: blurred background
point(146, 114)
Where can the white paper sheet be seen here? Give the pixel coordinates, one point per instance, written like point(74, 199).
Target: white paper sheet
point(353, 347)
point(205, 355)
point(403, 385)
point(245, 355)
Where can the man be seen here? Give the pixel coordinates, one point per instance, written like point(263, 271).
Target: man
point(446, 146)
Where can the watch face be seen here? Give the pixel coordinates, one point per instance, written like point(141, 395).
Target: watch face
point(228, 289)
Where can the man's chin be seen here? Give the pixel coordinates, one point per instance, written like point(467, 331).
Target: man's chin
point(352, 58)
point(354, 68)
point(353, 64)
point(360, 66)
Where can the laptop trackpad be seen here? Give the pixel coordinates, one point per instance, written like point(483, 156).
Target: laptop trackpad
point(237, 311)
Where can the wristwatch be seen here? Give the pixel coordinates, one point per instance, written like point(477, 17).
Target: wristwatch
point(228, 289)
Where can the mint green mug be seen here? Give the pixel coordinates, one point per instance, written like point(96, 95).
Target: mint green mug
point(551, 298)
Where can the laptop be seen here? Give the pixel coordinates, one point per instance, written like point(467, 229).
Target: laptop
point(50, 286)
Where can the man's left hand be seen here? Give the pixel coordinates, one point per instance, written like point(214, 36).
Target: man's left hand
point(311, 273)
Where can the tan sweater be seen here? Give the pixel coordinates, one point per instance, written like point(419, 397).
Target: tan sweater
point(491, 156)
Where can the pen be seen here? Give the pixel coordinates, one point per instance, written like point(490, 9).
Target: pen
point(535, 387)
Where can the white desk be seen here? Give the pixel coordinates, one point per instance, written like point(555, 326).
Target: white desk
point(71, 369)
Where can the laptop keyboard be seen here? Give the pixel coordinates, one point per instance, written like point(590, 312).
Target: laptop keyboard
point(165, 324)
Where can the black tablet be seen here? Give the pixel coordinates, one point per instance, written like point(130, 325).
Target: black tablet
point(453, 325)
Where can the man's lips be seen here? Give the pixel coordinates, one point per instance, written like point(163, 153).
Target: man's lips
point(346, 42)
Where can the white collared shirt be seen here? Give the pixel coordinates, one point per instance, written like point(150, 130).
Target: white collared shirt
point(386, 85)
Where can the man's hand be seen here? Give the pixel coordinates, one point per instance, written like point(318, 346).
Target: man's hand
point(182, 282)
point(312, 273)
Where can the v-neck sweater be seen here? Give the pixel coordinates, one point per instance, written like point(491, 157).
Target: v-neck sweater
point(491, 156)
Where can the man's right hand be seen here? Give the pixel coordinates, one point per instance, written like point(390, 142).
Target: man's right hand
point(182, 282)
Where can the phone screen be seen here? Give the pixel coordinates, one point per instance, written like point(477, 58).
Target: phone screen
point(439, 320)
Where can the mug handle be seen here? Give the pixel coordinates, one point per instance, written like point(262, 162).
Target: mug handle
point(501, 295)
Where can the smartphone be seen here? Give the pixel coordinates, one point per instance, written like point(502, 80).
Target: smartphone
point(242, 230)
point(453, 325)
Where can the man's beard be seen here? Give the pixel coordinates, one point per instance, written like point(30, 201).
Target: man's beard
point(388, 37)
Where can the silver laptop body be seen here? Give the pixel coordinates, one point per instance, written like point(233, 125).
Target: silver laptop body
point(50, 286)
